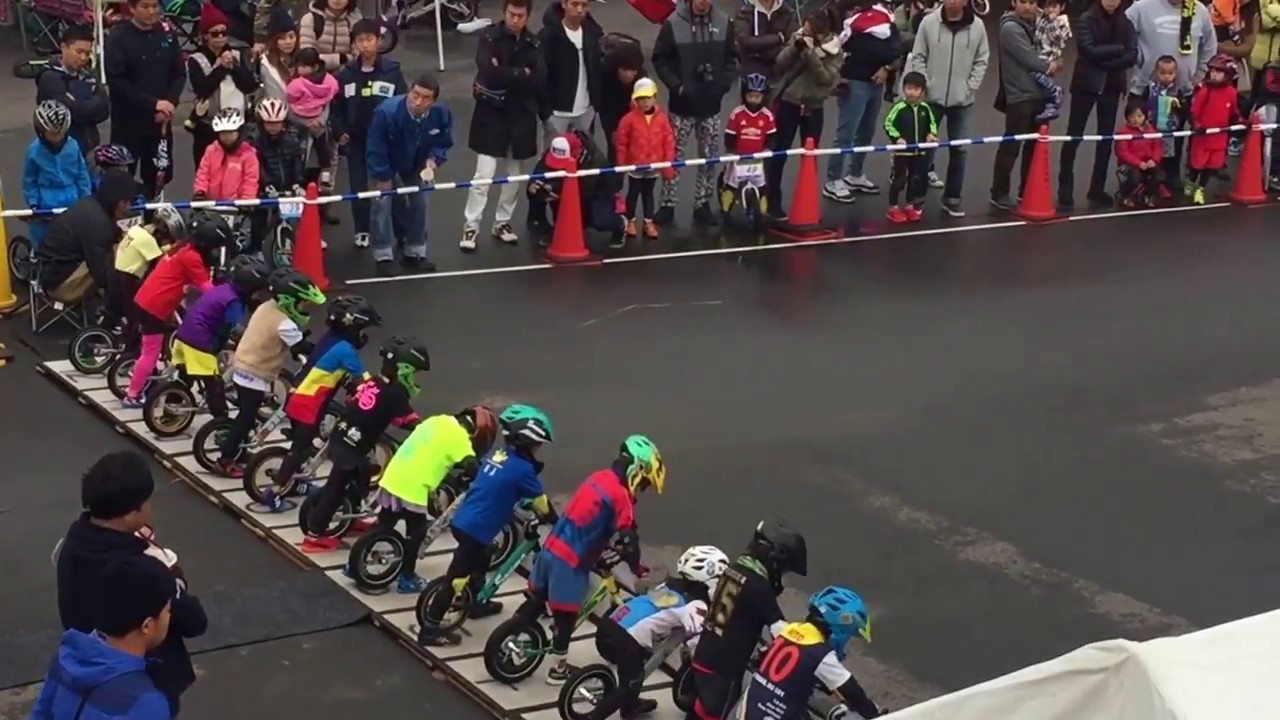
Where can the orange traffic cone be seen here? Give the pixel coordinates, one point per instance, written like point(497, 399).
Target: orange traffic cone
point(568, 243)
point(804, 222)
point(308, 256)
point(1037, 193)
point(1250, 188)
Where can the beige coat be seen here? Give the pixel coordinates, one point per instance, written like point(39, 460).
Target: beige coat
point(334, 39)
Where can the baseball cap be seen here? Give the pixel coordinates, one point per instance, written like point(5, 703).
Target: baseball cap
point(560, 154)
point(644, 87)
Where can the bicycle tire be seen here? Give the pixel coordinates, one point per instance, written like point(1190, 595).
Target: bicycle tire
point(20, 252)
point(513, 671)
point(83, 351)
point(388, 37)
point(336, 527)
point(262, 466)
point(205, 457)
point(448, 625)
point(358, 560)
point(119, 374)
point(158, 404)
point(594, 671)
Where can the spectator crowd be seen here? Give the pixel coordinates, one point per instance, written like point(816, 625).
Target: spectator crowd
point(280, 101)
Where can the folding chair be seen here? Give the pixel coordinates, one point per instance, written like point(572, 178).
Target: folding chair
point(42, 22)
point(47, 312)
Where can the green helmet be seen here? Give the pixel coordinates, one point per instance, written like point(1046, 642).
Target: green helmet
point(291, 288)
point(403, 358)
point(644, 464)
point(526, 424)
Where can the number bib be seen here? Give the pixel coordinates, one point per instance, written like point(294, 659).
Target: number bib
point(781, 687)
point(291, 210)
point(751, 173)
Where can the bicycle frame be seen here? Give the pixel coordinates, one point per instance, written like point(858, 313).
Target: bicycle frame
point(505, 570)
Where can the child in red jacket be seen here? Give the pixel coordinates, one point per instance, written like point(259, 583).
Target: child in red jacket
point(1215, 105)
point(1138, 161)
point(644, 136)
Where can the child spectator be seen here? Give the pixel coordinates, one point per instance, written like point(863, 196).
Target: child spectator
point(1214, 105)
point(229, 169)
point(136, 254)
point(107, 158)
point(280, 161)
point(1167, 112)
point(910, 121)
point(1053, 30)
point(54, 174)
point(365, 82)
point(310, 92)
point(1138, 161)
point(644, 136)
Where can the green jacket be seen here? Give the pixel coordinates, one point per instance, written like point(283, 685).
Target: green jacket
point(911, 124)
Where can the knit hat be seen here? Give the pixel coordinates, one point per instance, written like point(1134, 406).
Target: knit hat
point(280, 22)
point(561, 155)
point(211, 17)
point(133, 589)
point(366, 26)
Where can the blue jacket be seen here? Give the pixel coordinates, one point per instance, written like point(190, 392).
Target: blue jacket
point(106, 681)
point(400, 145)
point(505, 479)
point(360, 93)
point(54, 179)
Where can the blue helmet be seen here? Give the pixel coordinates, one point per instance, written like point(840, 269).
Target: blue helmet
point(756, 82)
point(844, 614)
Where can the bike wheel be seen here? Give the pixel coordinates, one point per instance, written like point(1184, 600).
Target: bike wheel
point(683, 693)
point(29, 69)
point(454, 618)
point(260, 474)
point(170, 409)
point(459, 11)
point(515, 650)
point(92, 350)
point(752, 206)
point(21, 265)
point(584, 690)
point(376, 558)
point(120, 372)
point(388, 36)
point(280, 252)
point(207, 444)
point(338, 525)
point(503, 545)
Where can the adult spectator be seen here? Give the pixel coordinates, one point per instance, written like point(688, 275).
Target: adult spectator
point(763, 27)
point(600, 211)
point(326, 26)
point(240, 19)
point(220, 79)
point(68, 79)
point(275, 66)
point(951, 50)
point(696, 59)
point(1106, 49)
point(409, 139)
point(1266, 48)
point(810, 69)
point(1236, 28)
point(623, 65)
point(871, 44)
point(1019, 97)
point(570, 44)
point(76, 253)
point(146, 75)
point(504, 119)
point(102, 674)
point(264, 14)
point(116, 495)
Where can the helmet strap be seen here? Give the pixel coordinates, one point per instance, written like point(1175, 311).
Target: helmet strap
point(405, 376)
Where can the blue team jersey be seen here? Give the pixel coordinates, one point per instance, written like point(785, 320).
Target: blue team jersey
point(641, 607)
point(504, 479)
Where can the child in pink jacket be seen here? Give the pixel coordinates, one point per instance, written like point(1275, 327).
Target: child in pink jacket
point(310, 92)
point(229, 168)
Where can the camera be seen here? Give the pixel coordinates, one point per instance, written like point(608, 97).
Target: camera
point(707, 73)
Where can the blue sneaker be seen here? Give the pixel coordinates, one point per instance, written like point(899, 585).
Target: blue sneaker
point(410, 585)
point(301, 488)
point(132, 403)
point(273, 500)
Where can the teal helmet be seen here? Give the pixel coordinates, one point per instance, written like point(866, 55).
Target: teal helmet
point(526, 424)
point(643, 464)
point(843, 613)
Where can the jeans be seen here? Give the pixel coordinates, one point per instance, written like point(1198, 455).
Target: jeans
point(856, 125)
point(1019, 118)
point(791, 120)
point(1083, 104)
point(957, 121)
point(414, 211)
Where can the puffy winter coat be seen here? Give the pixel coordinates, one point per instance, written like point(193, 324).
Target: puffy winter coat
point(83, 94)
point(1212, 107)
point(643, 138)
point(223, 176)
point(328, 32)
point(1267, 47)
point(54, 177)
point(279, 158)
point(761, 35)
point(1135, 152)
point(813, 72)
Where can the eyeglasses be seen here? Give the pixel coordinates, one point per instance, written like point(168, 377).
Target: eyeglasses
point(217, 33)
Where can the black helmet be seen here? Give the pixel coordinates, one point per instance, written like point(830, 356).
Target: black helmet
point(352, 312)
point(402, 358)
point(290, 288)
point(781, 548)
point(249, 274)
point(210, 231)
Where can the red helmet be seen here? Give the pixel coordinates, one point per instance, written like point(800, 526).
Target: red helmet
point(482, 425)
point(1224, 63)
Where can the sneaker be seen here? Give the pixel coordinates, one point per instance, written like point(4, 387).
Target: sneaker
point(1273, 183)
point(503, 232)
point(360, 527)
point(860, 184)
point(559, 673)
point(897, 215)
point(434, 638)
point(951, 206)
point(640, 708)
point(273, 500)
point(702, 215)
point(362, 240)
point(617, 241)
point(319, 544)
point(650, 230)
point(630, 231)
point(838, 191)
point(420, 264)
point(301, 488)
point(1003, 202)
point(913, 213)
point(133, 403)
point(1066, 202)
point(935, 181)
point(1234, 147)
point(776, 211)
point(484, 610)
point(1197, 197)
point(385, 268)
point(324, 244)
point(665, 215)
point(468, 241)
point(410, 585)
point(231, 468)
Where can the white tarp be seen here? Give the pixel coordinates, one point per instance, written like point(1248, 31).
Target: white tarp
point(1228, 672)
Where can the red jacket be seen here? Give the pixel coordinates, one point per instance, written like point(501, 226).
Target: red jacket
point(1135, 152)
point(1213, 107)
point(643, 139)
point(162, 292)
point(233, 176)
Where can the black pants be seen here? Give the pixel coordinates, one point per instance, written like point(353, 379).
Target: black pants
point(790, 120)
point(349, 478)
point(471, 561)
point(1084, 104)
point(610, 127)
point(562, 622)
point(215, 393)
point(641, 189)
point(302, 437)
point(119, 306)
point(910, 172)
point(1019, 118)
point(618, 647)
point(715, 696)
point(248, 402)
point(415, 531)
point(202, 136)
point(148, 158)
point(1140, 185)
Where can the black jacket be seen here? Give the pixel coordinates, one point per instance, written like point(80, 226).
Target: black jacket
point(83, 94)
point(1106, 48)
point(509, 79)
point(865, 54)
point(360, 93)
point(85, 234)
point(279, 158)
point(86, 552)
point(205, 85)
point(560, 57)
point(697, 60)
point(142, 67)
point(615, 96)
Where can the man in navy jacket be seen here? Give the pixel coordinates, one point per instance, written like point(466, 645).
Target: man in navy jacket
point(409, 138)
point(69, 80)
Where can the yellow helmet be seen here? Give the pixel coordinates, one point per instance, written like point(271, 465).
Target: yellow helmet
point(643, 463)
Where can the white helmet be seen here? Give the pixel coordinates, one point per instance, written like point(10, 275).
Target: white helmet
point(52, 116)
point(272, 110)
point(702, 563)
point(228, 120)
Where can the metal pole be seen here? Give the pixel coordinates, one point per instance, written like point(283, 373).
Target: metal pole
point(8, 301)
point(440, 35)
point(99, 31)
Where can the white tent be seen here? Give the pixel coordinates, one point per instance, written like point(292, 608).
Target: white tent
point(1228, 672)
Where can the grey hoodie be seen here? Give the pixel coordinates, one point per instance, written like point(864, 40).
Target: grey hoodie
point(1157, 23)
point(952, 55)
point(1019, 59)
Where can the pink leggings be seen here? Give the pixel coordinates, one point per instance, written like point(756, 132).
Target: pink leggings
point(152, 344)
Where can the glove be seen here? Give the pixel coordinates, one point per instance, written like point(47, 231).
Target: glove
point(270, 191)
